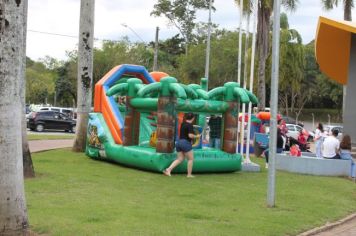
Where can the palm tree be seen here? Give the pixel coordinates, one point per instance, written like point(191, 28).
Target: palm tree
point(13, 213)
point(85, 72)
point(265, 9)
point(168, 90)
point(132, 116)
point(232, 94)
point(348, 5)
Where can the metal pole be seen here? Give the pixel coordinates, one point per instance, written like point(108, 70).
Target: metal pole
point(207, 62)
point(244, 85)
point(252, 70)
point(155, 56)
point(274, 105)
point(55, 98)
point(239, 64)
point(240, 44)
point(313, 121)
point(207, 58)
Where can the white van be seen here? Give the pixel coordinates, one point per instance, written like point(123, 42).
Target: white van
point(68, 111)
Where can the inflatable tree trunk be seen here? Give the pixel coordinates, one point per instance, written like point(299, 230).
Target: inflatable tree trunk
point(230, 128)
point(166, 122)
point(132, 117)
point(132, 124)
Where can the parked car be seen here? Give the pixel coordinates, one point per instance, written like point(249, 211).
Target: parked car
point(42, 120)
point(294, 130)
point(329, 130)
point(289, 120)
point(68, 111)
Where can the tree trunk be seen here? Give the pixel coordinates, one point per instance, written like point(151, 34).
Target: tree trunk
point(347, 10)
point(230, 127)
point(263, 47)
point(85, 72)
point(28, 170)
point(166, 122)
point(13, 212)
point(132, 124)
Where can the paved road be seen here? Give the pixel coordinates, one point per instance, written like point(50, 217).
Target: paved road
point(43, 145)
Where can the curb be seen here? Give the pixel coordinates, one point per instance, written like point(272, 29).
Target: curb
point(328, 226)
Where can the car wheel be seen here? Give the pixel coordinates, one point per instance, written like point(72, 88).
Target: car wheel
point(39, 128)
point(73, 129)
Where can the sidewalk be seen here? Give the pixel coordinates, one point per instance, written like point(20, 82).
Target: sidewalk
point(43, 145)
point(343, 227)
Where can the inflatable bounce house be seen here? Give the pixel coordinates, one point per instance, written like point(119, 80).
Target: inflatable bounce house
point(137, 116)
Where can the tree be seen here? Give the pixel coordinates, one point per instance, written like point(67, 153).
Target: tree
point(39, 83)
point(223, 47)
point(181, 14)
point(13, 212)
point(348, 5)
point(291, 72)
point(265, 9)
point(28, 170)
point(66, 84)
point(85, 72)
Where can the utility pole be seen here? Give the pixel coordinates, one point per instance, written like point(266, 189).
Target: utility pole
point(207, 58)
point(155, 57)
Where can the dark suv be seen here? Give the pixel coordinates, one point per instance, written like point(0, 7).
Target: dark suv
point(42, 120)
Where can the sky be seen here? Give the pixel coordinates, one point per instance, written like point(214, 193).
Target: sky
point(53, 25)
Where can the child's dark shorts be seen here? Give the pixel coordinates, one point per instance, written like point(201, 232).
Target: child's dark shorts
point(183, 145)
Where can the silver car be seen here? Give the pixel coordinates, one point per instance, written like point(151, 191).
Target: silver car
point(294, 130)
point(330, 128)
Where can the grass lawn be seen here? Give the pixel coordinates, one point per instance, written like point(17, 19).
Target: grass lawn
point(47, 136)
point(75, 195)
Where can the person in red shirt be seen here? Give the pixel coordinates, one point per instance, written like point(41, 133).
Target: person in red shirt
point(302, 140)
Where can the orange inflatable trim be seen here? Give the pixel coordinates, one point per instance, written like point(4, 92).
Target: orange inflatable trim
point(265, 115)
point(158, 75)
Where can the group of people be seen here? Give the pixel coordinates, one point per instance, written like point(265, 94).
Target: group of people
point(328, 146)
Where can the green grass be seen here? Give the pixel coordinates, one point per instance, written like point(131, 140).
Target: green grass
point(49, 137)
point(75, 195)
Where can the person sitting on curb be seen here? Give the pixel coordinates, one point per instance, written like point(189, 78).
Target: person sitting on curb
point(331, 145)
point(345, 153)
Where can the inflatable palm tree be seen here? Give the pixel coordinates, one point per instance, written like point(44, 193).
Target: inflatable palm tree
point(168, 91)
point(132, 117)
point(232, 94)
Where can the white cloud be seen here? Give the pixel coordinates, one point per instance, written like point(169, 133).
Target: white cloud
point(62, 17)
